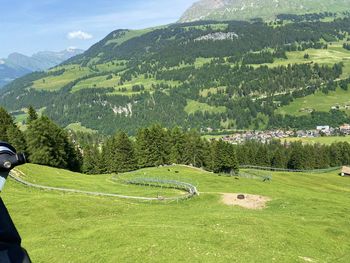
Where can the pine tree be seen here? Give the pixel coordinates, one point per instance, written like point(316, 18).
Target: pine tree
point(158, 144)
point(152, 146)
point(10, 133)
point(49, 145)
point(6, 121)
point(279, 159)
point(298, 158)
point(224, 158)
point(121, 155)
point(16, 138)
point(32, 115)
point(194, 150)
point(177, 142)
point(73, 154)
point(91, 160)
point(142, 149)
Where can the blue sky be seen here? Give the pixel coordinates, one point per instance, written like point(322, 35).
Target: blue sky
point(28, 26)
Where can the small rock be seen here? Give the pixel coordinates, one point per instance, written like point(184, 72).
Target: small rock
point(240, 197)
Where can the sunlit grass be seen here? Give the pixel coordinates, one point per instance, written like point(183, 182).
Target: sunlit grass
point(308, 217)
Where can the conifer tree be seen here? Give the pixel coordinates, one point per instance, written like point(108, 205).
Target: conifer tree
point(32, 115)
point(91, 160)
point(49, 145)
point(16, 138)
point(152, 146)
point(119, 154)
point(10, 133)
point(5, 122)
point(177, 142)
point(142, 149)
point(194, 150)
point(224, 158)
point(158, 144)
point(279, 159)
point(298, 157)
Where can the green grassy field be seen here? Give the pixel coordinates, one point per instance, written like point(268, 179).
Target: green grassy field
point(335, 53)
point(54, 83)
point(194, 106)
point(129, 35)
point(77, 127)
point(97, 82)
point(318, 102)
point(322, 140)
point(307, 219)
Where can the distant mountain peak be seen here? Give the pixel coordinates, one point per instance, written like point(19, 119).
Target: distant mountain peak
point(71, 49)
point(16, 55)
point(17, 64)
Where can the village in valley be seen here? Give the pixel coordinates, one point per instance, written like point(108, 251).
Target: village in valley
point(269, 135)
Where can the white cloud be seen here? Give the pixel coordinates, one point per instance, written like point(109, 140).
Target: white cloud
point(79, 35)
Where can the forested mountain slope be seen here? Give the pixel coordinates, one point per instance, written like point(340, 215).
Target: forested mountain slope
point(265, 9)
point(200, 75)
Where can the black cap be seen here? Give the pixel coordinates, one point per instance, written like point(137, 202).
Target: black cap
point(8, 146)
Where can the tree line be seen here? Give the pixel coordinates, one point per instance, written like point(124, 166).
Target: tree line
point(46, 143)
point(157, 146)
point(294, 155)
point(43, 142)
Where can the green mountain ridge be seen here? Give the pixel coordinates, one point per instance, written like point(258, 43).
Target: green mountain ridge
point(266, 9)
point(203, 75)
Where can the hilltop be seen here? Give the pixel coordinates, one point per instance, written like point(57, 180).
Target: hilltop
point(204, 75)
point(265, 9)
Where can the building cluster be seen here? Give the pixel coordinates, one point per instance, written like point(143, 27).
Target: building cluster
point(261, 136)
point(267, 136)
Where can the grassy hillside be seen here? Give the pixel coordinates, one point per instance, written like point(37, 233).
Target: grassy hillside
point(319, 102)
point(195, 106)
point(266, 9)
point(77, 127)
point(307, 219)
point(222, 75)
point(335, 53)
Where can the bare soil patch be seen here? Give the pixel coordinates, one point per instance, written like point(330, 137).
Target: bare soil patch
point(249, 201)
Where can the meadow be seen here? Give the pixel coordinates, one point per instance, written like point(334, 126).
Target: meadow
point(195, 106)
point(319, 101)
point(322, 140)
point(335, 53)
point(306, 221)
point(77, 127)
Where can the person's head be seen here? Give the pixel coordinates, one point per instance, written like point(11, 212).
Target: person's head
point(9, 158)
